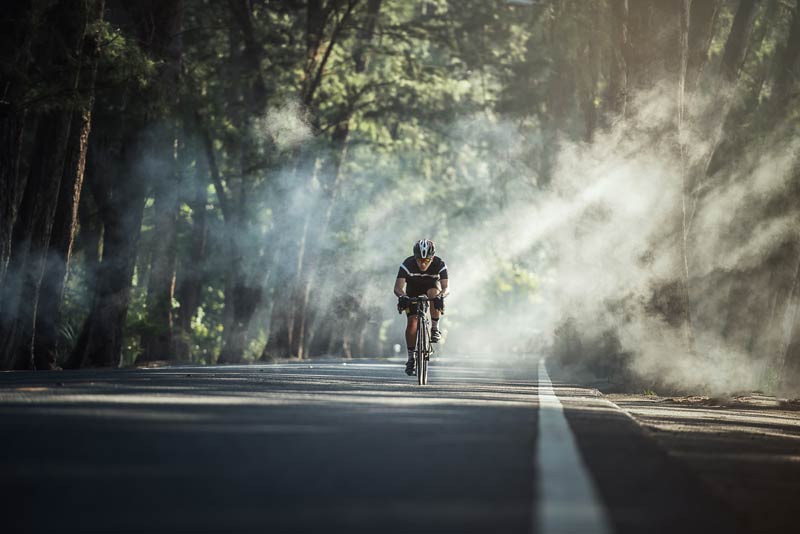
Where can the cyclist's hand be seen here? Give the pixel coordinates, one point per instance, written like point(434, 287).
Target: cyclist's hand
point(438, 303)
point(403, 302)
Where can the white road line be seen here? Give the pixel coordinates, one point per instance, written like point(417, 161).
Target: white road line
point(567, 499)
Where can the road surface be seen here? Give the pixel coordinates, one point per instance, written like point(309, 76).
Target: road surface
point(333, 447)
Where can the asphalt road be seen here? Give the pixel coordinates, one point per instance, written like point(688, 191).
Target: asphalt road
point(331, 447)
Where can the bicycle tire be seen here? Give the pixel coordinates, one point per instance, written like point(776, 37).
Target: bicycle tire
point(419, 351)
point(425, 352)
point(425, 363)
point(419, 354)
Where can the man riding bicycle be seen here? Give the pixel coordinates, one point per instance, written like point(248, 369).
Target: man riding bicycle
point(424, 273)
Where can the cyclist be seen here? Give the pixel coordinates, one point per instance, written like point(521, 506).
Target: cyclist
point(424, 273)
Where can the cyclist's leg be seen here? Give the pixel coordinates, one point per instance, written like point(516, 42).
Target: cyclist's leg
point(411, 331)
point(435, 314)
point(433, 292)
point(411, 340)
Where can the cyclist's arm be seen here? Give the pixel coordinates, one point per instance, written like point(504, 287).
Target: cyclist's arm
point(443, 283)
point(400, 287)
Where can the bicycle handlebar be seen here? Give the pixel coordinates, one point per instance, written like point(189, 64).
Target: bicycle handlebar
point(423, 298)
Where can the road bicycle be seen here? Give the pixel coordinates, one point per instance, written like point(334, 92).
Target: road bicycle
point(423, 349)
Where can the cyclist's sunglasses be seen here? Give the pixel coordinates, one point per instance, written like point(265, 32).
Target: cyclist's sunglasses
point(425, 260)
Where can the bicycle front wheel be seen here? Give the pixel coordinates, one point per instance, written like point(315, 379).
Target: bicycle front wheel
point(420, 352)
point(424, 354)
point(425, 364)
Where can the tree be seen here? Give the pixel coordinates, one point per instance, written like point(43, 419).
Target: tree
point(702, 17)
point(66, 215)
point(16, 32)
point(54, 53)
point(618, 78)
point(787, 66)
point(192, 263)
point(157, 338)
point(119, 147)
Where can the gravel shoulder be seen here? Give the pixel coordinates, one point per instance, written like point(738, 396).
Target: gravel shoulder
point(746, 449)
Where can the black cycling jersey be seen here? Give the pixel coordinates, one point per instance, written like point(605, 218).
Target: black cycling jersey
point(418, 282)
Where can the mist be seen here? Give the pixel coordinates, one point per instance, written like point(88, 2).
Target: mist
point(621, 200)
point(595, 249)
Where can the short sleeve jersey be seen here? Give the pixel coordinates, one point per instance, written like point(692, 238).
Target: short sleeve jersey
point(418, 281)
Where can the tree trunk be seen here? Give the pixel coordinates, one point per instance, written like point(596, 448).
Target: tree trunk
point(750, 103)
point(241, 298)
point(192, 268)
point(246, 298)
point(732, 58)
point(685, 192)
point(787, 68)
point(157, 337)
point(703, 15)
point(15, 45)
point(31, 237)
point(88, 244)
point(587, 77)
point(122, 182)
point(736, 44)
point(30, 241)
point(280, 335)
point(157, 341)
point(90, 233)
point(53, 281)
point(243, 293)
point(121, 205)
point(66, 216)
point(281, 268)
point(654, 34)
point(12, 124)
point(789, 360)
point(616, 97)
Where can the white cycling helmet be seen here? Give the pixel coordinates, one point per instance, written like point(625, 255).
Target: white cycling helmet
point(424, 249)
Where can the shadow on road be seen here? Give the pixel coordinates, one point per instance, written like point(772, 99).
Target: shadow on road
point(279, 448)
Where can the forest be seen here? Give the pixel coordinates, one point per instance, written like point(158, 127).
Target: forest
point(614, 183)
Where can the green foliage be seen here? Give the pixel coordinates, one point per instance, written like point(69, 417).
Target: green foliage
point(513, 283)
point(206, 332)
point(136, 324)
point(121, 59)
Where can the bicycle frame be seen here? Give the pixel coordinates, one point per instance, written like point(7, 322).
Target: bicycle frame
point(423, 347)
